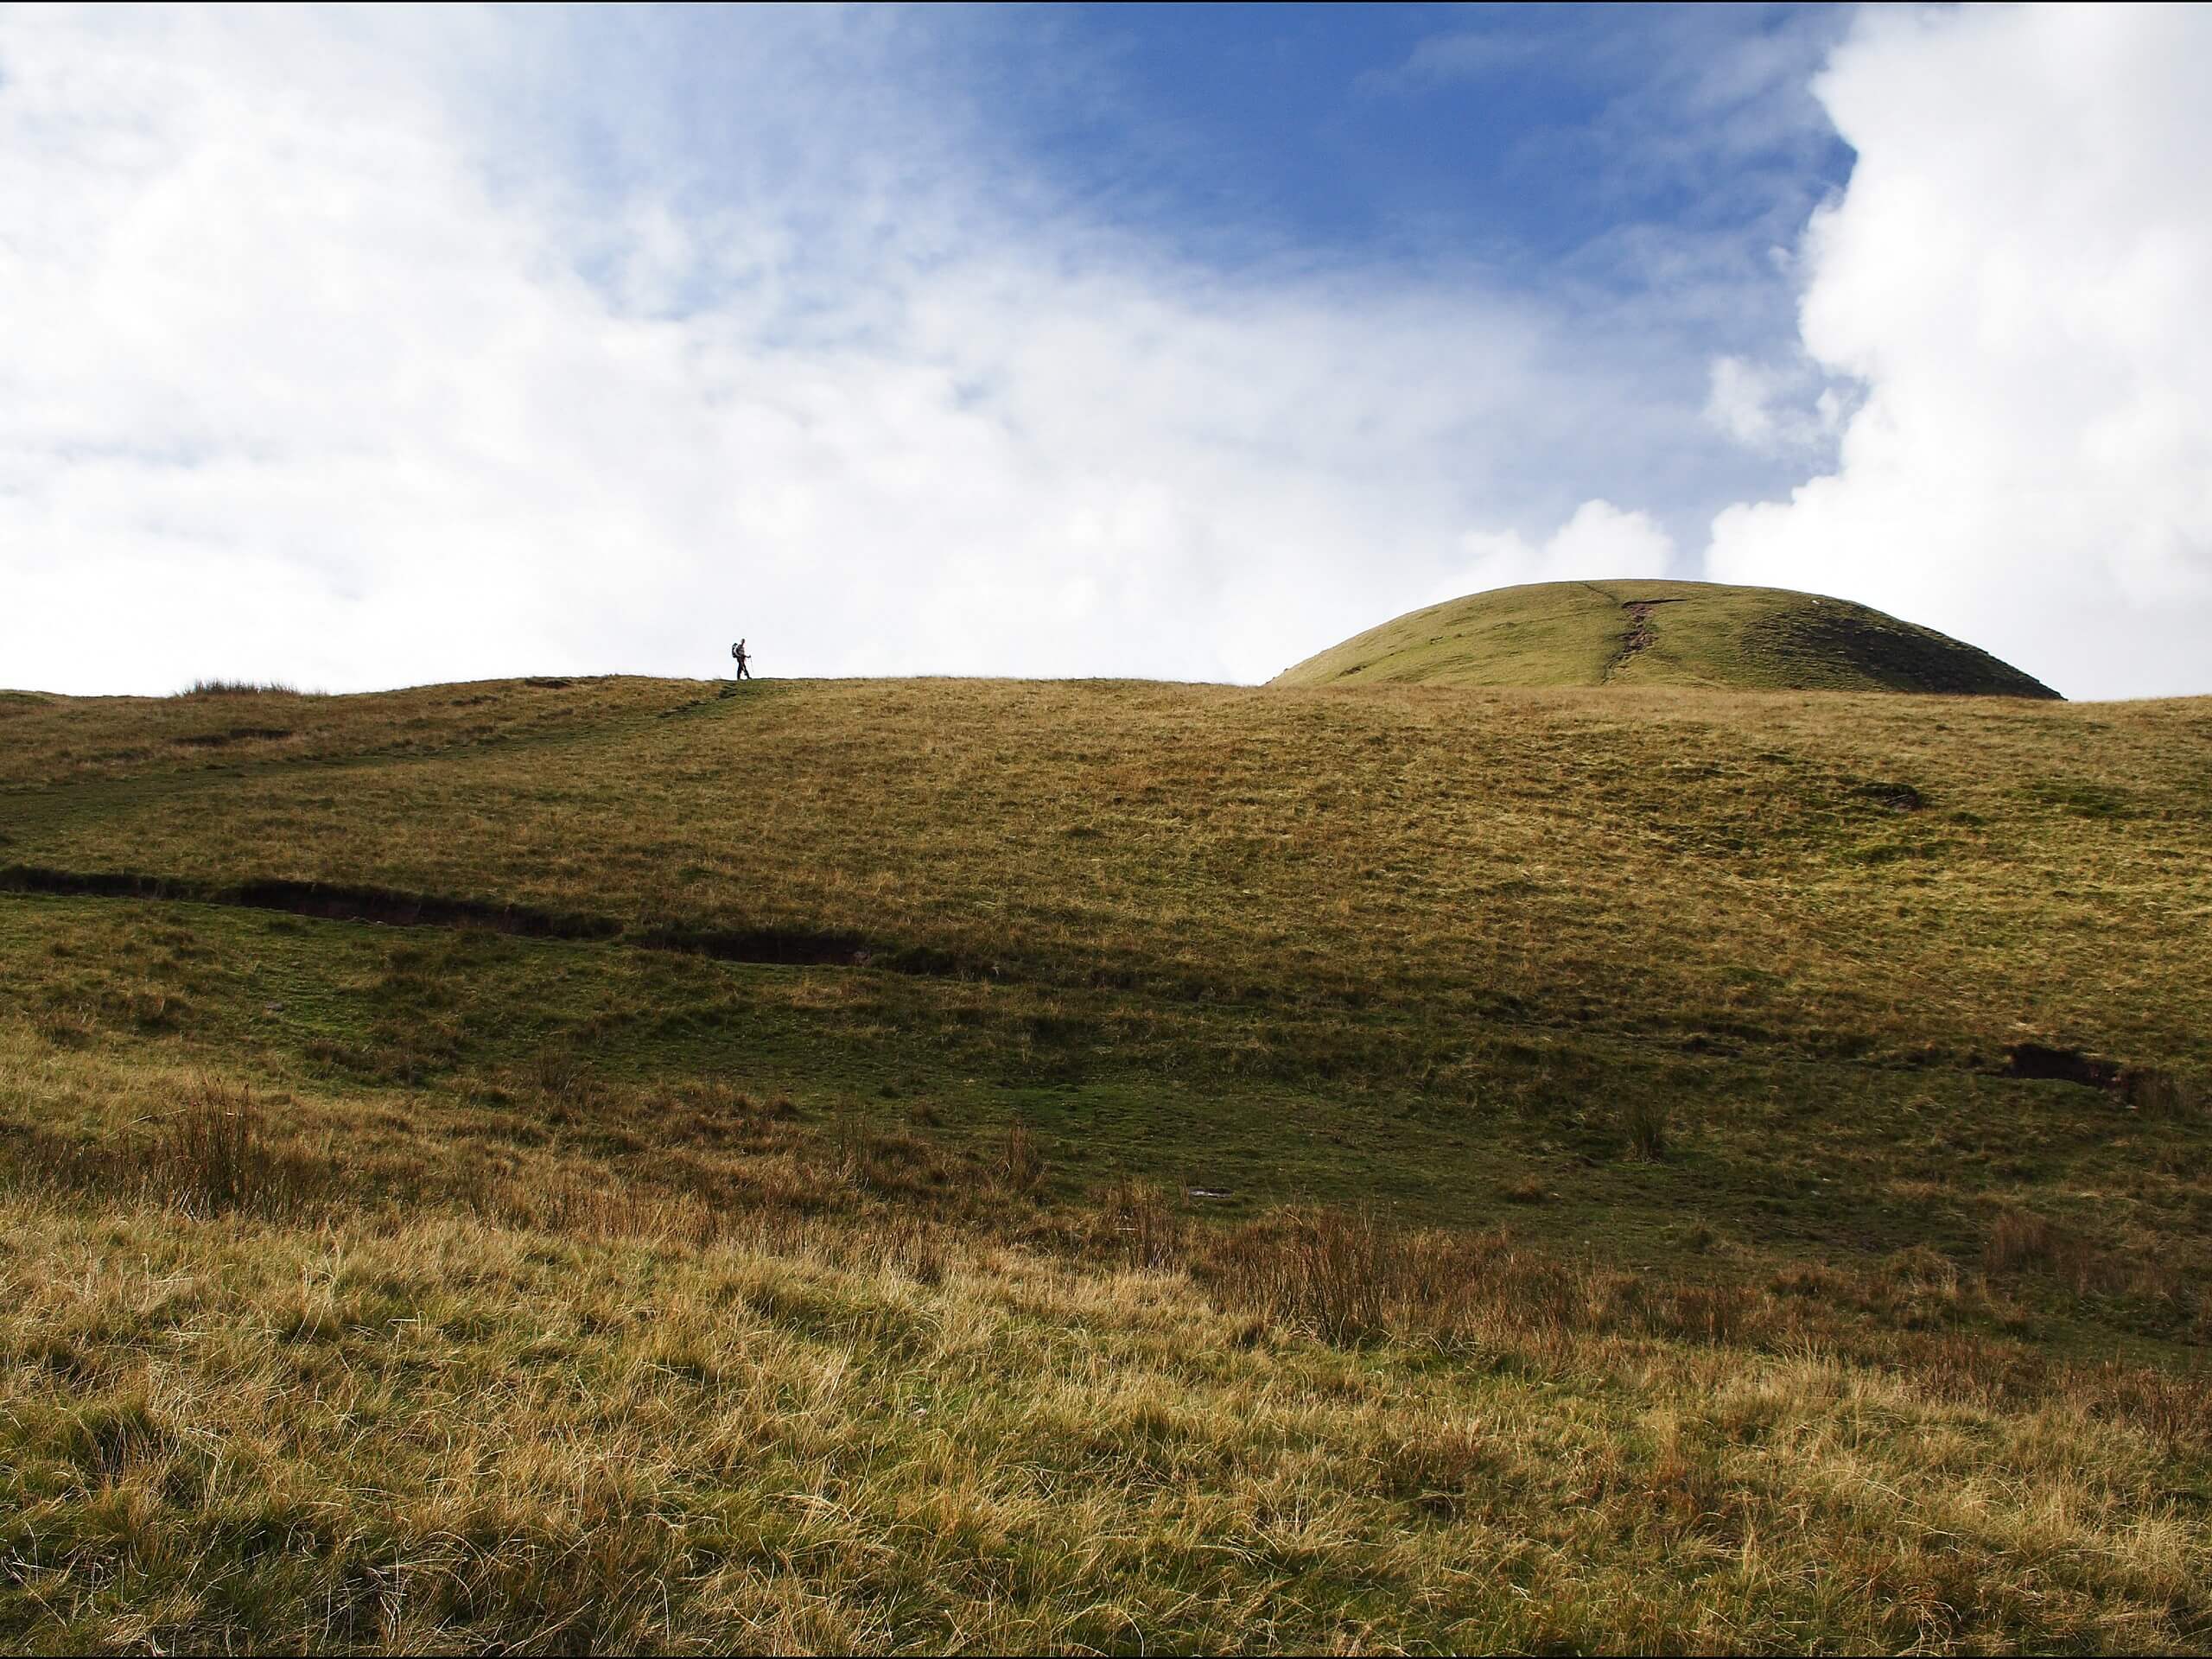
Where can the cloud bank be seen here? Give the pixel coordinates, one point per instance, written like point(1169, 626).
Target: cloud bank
point(357, 349)
point(360, 349)
point(2016, 282)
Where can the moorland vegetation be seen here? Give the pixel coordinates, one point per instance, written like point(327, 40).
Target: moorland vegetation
point(926, 1163)
point(1657, 633)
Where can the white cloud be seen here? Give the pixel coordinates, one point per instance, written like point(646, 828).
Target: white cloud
point(2018, 274)
point(1739, 402)
point(1597, 542)
point(325, 361)
point(1769, 409)
point(1451, 55)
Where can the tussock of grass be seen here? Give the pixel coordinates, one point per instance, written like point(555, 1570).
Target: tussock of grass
point(1139, 1225)
point(209, 1154)
point(213, 1154)
point(1022, 1158)
point(2157, 1094)
point(221, 687)
point(1644, 1124)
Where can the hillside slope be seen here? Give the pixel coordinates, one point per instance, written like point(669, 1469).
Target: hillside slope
point(1108, 894)
point(864, 1166)
point(1690, 633)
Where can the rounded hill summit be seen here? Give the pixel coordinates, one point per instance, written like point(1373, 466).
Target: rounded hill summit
point(1685, 633)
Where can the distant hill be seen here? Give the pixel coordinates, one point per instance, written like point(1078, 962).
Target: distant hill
point(1694, 633)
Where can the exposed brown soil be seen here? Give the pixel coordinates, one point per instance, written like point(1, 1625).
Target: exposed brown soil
point(1639, 636)
point(2062, 1064)
point(1898, 797)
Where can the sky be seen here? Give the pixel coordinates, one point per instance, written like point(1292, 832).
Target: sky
point(360, 348)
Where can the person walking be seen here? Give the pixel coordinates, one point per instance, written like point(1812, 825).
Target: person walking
point(737, 650)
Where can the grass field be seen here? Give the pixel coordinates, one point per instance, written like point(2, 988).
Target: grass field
point(1662, 633)
point(927, 1164)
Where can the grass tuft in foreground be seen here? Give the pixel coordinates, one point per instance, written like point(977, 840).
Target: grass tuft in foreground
point(275, 1382)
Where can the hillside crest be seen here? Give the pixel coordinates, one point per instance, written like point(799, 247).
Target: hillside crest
point(1653, 632)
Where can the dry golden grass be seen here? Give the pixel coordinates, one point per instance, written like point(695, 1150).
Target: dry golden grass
point(384, 1402)
point(47, 739)
point(1672, 1263)
point(1677, 865)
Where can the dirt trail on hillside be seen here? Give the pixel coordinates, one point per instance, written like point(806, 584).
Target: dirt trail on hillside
point(1638, 636)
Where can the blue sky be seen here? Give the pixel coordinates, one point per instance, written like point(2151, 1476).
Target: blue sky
point(1516, 137)
point(1630, 167)
point(359, 346)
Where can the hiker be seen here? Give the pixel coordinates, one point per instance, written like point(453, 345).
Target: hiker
point(738, 651)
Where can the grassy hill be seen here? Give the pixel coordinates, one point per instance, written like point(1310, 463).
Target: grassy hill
point(917, 1163)
point(1690, 633)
